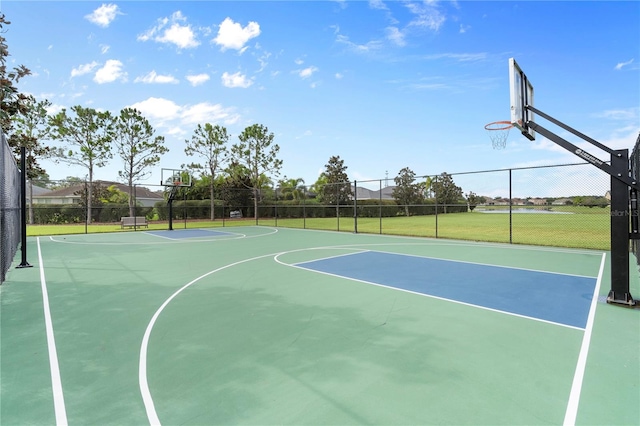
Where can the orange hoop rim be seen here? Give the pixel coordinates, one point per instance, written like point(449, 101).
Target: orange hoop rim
point(498, 125)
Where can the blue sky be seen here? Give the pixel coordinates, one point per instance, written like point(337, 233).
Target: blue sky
point(382, 84)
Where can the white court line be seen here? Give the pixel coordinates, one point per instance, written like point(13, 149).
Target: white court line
point(169, 240)
point(142, 371)
point(491, 265)
point(431, 296)
point(56, 382)
point(576, 388)
point(147, 399)
point(329, 257)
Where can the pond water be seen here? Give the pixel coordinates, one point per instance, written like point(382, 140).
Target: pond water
point(523, 210)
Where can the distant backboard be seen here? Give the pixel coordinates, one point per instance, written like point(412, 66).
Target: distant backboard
point(175, 177)
point(521, 97)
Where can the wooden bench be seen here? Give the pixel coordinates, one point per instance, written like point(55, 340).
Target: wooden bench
point(136, 222)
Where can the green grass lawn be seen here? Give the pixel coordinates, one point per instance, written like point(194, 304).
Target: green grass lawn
point(583, 228)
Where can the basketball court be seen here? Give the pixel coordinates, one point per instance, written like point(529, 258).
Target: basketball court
point(258, 325)
point(263, 325)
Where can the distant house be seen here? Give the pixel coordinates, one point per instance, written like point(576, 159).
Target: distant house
point(539, 201)
point(70, 195)
point(35, 190)
point(562, 202)
point(385, 193)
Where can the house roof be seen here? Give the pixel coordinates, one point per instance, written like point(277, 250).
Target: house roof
point(38, 190)
point(141, 191)
point(365, 194)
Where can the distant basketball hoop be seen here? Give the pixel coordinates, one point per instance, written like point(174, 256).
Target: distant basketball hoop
point(499, 132)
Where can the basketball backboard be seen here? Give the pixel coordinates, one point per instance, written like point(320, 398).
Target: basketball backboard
point(175, 177)
point(521, 97)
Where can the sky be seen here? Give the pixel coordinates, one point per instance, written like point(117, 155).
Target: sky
point(384, 85)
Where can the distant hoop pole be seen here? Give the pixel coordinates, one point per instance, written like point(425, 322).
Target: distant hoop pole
point(498, 133)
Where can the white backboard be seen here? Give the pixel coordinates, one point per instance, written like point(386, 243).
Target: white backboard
point(175, 177)
point(521, 91)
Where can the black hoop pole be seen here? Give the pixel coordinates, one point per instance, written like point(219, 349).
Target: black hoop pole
point(23, 208)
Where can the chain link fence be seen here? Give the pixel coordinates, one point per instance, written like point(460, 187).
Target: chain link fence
point(562, 205)
point(9, 207)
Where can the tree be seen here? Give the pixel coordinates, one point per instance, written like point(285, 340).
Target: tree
point(428, 189)
point(88, 136)
point(138, 149)
point(445, 190)
point(233, 188)
point(12, 102)
point(68, 182)
point(256, 152)
point(407, 192)
point(473, 200)
point(292, 189)
point(29, 130)
point(115, 196)
point(318, 187)
point(92, 195)
point(209, 142)
point(337, 189)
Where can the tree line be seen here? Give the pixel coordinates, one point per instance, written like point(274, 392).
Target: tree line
point(89, 138)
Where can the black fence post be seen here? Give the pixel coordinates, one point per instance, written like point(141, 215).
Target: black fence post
point(355, 206)
point(23, 207)
point(380, 202)
point(510, 209)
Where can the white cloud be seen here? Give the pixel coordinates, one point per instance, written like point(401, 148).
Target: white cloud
point(396, 36)
point(307, 72)
point(629, 114)
point(110, 72)
point(83, 69)
point(171, 31)
point(263, 61)
point(298, 62)
point(621, 65)
point(198, 79)
point(339, 76)
point(464, 28)
point(427, 16)
point(166, 113)
point(158, 108)
point(359, 48)
point(154, 77)
point(377, 4)
point(104, 48)
point(205, 112)
point(236, 80)
point(231, 35)
point(104, 15)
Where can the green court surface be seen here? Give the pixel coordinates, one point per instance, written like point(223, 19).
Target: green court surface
point(233, 326)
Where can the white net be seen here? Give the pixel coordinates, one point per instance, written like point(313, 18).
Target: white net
point(498, 133)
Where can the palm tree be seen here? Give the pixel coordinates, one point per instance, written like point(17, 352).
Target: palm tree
point(428, 190)
point(293, 188)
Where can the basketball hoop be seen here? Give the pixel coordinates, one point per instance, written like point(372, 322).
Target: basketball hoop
point(498, 132)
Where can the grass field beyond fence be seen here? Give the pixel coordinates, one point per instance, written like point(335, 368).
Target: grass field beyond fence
point(570, 226)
